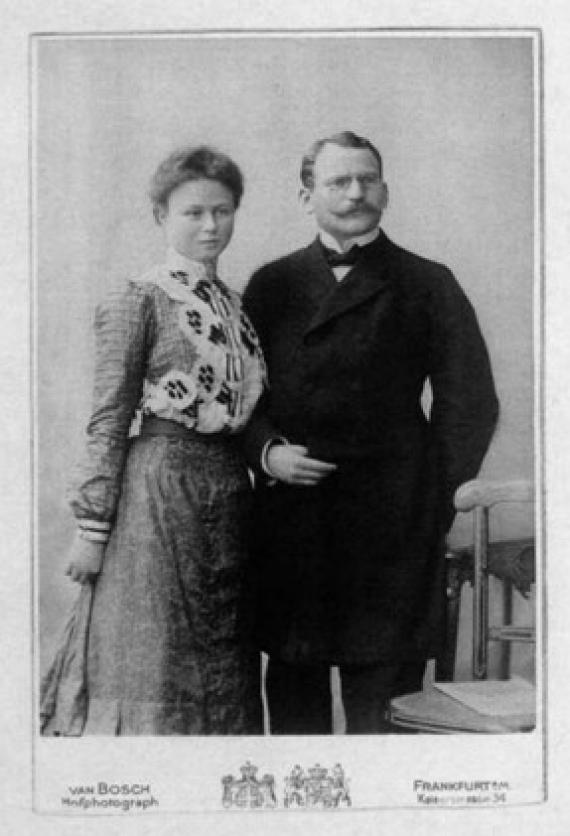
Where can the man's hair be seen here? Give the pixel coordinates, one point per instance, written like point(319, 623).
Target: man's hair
point(346, 139)
point(194, 163)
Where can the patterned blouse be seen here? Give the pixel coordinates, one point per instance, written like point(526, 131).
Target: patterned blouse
point(175, 344)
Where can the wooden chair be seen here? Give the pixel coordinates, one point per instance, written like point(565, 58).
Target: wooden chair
point(481, 705)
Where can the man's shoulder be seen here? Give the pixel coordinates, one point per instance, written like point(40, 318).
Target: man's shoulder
point(285, 263)
point(419, 265)
point(415, 274)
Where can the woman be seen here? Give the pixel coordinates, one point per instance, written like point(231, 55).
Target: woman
point(161, 515)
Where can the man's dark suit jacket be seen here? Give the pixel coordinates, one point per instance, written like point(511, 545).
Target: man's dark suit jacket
point(352, 571)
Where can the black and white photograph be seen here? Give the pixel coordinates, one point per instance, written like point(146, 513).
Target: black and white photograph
point(259, 443)
point(289, 540)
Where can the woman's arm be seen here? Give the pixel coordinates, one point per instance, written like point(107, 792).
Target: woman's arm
point(123, 330)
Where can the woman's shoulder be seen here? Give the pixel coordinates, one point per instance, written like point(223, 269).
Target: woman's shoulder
point(154, 286)
point(135, 287)
point(130, 297)
point(147, 283)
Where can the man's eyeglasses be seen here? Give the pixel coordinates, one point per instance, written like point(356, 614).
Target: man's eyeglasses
point(342, 184)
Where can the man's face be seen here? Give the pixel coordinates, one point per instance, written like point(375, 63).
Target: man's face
point(349, 195)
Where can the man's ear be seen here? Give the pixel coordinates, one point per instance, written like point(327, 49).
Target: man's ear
point(160, 213)
point(306, 200)
point(385, 196)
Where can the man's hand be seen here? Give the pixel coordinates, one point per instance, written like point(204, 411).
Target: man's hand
point(290, 463)
point(85, 559)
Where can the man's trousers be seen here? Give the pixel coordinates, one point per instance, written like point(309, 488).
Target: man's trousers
point(299, 697)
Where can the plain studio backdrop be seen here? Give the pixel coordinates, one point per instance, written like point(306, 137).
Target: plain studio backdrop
point(452, 117)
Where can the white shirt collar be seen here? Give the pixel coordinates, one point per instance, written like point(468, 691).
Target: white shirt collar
point(361, 240)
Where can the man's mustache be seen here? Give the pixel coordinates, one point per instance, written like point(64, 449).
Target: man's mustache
point(357, 210)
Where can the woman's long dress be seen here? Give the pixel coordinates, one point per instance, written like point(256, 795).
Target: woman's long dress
point(169, 648)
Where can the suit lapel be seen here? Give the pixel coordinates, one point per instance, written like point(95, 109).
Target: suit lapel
point(367, 279)
point(315, 281)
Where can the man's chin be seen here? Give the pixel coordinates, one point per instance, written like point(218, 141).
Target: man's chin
point(358, 226)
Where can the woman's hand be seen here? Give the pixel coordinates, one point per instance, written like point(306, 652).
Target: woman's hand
point(85, 559)
point(291, 463)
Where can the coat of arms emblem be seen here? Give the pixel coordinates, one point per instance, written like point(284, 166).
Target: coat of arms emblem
point(317, 787)
point(248, 792)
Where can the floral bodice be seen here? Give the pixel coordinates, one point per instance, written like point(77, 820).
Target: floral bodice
point(174, 343)
point(216, 373)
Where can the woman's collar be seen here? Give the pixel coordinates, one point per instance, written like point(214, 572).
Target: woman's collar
point(195, 270)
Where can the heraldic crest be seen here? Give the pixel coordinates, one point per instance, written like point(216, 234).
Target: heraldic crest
point(317, 787)
point(314, 788)
point(248, 792)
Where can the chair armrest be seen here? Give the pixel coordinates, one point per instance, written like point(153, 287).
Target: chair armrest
point(480, 493)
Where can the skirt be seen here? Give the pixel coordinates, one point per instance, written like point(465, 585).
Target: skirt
point(170, 649)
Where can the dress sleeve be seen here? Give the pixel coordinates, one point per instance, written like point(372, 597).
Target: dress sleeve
point(465, 407)
point(123, 332)
point(261, 306)
point(255, 372)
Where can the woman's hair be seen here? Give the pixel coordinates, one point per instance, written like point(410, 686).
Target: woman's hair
point(194, 163)
point(346, 139)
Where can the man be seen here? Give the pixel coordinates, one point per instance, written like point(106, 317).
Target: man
point(355, 486)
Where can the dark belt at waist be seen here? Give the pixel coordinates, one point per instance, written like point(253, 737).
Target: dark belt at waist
point(163, 426)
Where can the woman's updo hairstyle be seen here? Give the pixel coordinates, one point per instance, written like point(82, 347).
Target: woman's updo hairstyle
point(194, 163)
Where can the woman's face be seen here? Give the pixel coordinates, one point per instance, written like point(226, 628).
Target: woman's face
point(198, 219)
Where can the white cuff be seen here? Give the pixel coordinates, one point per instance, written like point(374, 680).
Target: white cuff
point(94, 530)
point(265, 453)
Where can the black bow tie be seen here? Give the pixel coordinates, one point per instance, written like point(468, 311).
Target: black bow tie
point(347, 259)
